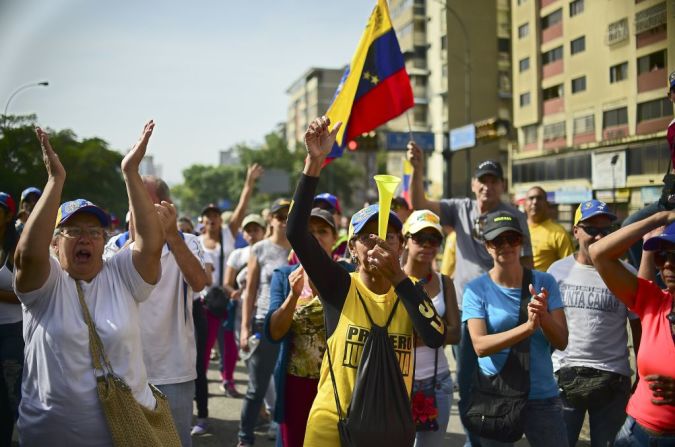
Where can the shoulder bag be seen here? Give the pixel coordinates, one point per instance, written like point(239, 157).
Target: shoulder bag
point(130, 423)
point(495, 403)
point(217, 299)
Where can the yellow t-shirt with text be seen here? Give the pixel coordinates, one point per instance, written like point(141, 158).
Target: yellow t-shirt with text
point(550, 242)
point(346, 347)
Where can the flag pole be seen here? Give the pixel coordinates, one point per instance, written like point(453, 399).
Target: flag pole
point(407, 116)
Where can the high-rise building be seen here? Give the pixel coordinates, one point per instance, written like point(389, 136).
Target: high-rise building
point(309, 97)
point(589, 82)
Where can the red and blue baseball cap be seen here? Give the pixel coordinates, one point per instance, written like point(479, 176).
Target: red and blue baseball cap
point(78, 206)
point(671, 80)
point(592, 208)
point(330, 199)
point(657, 242)
point(30, 190)
point(7, 202)
point(365, 215)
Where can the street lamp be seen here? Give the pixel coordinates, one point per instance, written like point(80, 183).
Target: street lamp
point(20, 89)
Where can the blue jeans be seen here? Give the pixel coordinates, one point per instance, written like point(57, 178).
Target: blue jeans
point(544, 425)
point(180, 397)
point(605, 420)
point(633, 435)
point(260, 367)
point(443, 403)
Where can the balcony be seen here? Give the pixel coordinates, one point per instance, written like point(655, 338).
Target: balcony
point(552, 69)
point(556, 143)
point(651, 36)
point(552, 32)
point(555, 105)
point(529, 147)
point(652, 126)
point(651, 80)
point(545, 3)
point(615, 132)
point(582, 138)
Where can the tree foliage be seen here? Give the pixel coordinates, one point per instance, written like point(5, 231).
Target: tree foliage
point(92, 168)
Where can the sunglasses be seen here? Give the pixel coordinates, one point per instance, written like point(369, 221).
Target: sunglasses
point(663, 256)
point(594, 231)
point(512, 239)
point(433, 240)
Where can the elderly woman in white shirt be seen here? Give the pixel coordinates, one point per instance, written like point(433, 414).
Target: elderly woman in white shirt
point(60, 403)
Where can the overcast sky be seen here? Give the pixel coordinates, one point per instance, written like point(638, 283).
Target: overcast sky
point(210, 73)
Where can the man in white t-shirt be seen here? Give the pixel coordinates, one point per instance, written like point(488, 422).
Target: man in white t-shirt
point(593, 371)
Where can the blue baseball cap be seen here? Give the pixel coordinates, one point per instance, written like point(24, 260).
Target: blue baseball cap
point(592, 208)
point(30, 190)
point(657, 242)
point(77, 206)
point(7, 202)
point(330, 199)
point(671, 80)
point(365, 215)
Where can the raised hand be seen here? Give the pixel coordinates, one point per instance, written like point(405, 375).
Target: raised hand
point(297, 281)
point(167, 217)
point(383, 259)
point(663, 389)
point(318, 139)
point(539, 303)
point(50, 158)
point(415, 155)
point(133, 159)
point(254, 172)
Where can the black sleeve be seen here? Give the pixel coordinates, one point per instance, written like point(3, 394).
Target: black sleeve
point(426, 321)
point(331, 280)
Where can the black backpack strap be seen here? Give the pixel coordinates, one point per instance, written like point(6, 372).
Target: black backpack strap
point(332, 375)
point(364, 305)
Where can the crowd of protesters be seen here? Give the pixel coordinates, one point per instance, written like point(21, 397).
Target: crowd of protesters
point(342, 328)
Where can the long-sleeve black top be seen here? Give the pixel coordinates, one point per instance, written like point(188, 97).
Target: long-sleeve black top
point(332, 281)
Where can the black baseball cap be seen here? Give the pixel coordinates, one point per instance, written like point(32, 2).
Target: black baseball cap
point(500, 222)
point(210, 207)
point(324, 215)
point(279, 204)
point(489, 167)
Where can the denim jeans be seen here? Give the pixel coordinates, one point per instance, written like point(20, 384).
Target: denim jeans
point(544, 425)
point(605, 420)
point(633, 435)
point(11, 366)
point(180, 401)
point(443, 403)
point(260, 367)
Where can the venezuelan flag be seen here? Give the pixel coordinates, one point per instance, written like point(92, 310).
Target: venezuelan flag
point(407, 174)
point(375, 87)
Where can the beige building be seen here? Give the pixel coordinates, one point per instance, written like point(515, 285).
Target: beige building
point(589, 105)
point(309, 97)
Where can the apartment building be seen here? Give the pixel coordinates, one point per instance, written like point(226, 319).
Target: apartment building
point(589, 104)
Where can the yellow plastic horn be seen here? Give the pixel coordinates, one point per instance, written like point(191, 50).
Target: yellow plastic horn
point(386, 187)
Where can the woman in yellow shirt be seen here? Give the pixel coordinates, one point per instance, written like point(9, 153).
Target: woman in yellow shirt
point(352, 301)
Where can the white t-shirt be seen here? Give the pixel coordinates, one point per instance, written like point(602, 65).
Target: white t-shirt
point(228, 247)
point(238, 261)
point(595, 317)
point(167, 328)
point(270, 257)
point(426, 356)
point(59, 404)
point(9, 313)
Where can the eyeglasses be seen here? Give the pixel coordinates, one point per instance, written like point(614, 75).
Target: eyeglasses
point(513, 239)
point(663, 256)
point(594, 231)
point(423, 238)
point(77, 232)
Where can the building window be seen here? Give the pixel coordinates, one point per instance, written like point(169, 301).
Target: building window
point(551, 19)
point(616, 117)
point(554, 131)
point(552, 55)
point(420, 114)
point(523, 30)
point(524, 64)
point(504, 45)
point(525, 99)
point(650, 110)
point(618, 72)
point(617, 31)
point(520, 2)
point(578, 45)
point(444, 42)
point(579, 84)
point(651, 62)
point(554, 92)
point(419, 81)
point(530, 134)
point(576, 7)
point(584, 124)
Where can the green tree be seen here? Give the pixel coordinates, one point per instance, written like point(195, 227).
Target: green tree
point(93, 169)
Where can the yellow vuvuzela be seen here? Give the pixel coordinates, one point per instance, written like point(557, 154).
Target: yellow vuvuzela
point(386, 186)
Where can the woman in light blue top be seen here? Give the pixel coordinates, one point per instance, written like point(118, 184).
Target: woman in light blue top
point(491, 308)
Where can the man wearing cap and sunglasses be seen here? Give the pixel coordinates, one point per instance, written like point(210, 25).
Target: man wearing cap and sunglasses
point(667, 200)
point(593, 372)
point(467, 217)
